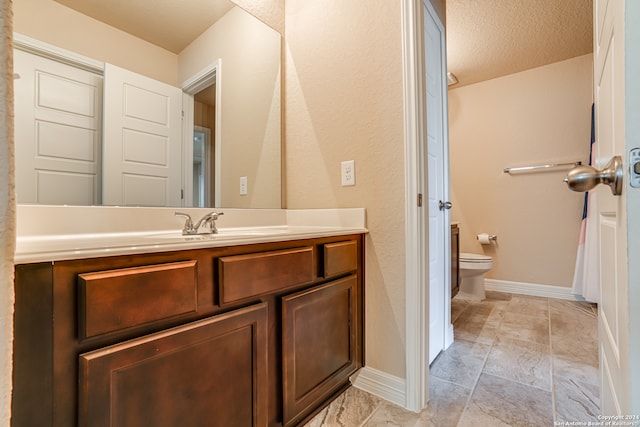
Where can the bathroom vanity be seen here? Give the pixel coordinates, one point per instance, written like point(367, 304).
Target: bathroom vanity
point(240, 329)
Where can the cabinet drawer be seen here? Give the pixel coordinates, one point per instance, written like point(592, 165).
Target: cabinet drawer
point(247, 276)
point(115, 300)
point(340, 258)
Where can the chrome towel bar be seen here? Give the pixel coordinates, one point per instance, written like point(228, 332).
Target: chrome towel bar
point(542, 167)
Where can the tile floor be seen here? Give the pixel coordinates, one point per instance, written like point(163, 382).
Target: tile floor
point(516, 361)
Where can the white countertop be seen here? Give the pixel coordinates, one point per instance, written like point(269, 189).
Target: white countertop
point(55, 233)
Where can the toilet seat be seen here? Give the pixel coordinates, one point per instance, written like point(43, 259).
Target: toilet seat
point(474, 258)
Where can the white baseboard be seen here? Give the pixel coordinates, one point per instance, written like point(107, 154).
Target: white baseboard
point(386, 386)
point(533, 289)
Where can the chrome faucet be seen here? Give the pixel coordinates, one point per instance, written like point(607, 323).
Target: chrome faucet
point(208, 221)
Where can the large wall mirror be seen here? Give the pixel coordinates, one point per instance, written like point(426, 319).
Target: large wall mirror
point(131, 103)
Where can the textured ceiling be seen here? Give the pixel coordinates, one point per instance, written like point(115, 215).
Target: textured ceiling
point(485, 38)
point(166, 23)
point(492, 38)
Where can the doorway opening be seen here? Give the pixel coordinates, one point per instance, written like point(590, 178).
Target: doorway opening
point(201, 151)
point(204, 124)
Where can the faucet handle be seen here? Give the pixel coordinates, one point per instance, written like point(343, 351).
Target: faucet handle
point(210, 221)
point(188, 223)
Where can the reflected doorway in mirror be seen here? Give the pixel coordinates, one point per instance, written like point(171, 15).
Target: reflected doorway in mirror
point(201, 102)
point(202, 152)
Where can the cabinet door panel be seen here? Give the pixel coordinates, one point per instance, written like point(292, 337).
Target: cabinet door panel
point(319, 344)
point(208, 373)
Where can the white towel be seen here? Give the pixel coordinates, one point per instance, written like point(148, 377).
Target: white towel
point(7, 210)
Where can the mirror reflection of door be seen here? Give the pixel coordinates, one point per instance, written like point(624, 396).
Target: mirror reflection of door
point(204, 108)
point(202, 188)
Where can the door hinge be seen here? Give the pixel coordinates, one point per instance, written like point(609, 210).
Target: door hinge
point(419, 200)
point(181, 194)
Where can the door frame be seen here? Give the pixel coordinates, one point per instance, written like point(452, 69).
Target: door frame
point(46, 50)
point(211, 74)
point(632, 132)
point(416, 226)
point(416, 289)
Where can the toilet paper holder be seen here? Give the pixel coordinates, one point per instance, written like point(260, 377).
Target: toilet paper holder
point(486, 239)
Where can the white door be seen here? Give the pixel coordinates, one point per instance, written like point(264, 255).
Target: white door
point(58, 111)
point(439, 238)
point(617, 130)
point(142, 140)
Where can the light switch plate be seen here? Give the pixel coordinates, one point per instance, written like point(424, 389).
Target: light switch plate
point(243, 186)
point(348, 173)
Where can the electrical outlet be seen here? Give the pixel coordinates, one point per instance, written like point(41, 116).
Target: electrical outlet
point(243, 186)
point(348, 173)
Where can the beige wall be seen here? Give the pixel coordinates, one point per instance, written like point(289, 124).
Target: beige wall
point(50, 22)
point(344, 101)
point(250, 132)
point(535, 117)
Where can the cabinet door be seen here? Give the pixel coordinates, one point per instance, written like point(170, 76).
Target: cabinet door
point(212, 372)
point(319, 344)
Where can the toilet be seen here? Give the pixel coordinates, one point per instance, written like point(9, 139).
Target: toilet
point(472, 269)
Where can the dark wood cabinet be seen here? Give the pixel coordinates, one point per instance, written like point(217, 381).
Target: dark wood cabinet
point(319, 344)
point(211, 372)
point(455, 260)
point(248, 335)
